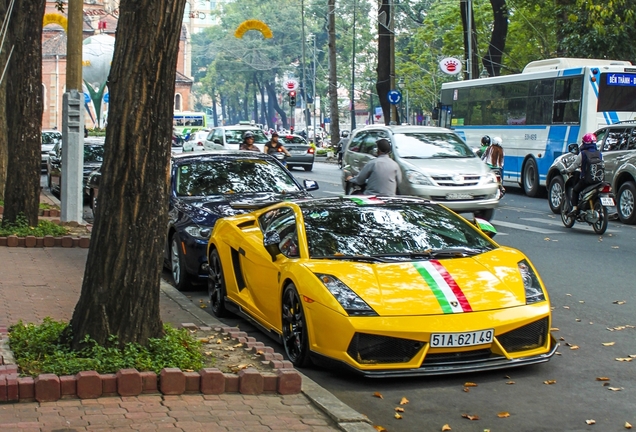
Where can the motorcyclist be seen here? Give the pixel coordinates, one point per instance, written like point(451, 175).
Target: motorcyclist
point(248, 142)
point(494, 158)
point(485, 142)
point(587, 151)
point(380, 176)
point(273, 146)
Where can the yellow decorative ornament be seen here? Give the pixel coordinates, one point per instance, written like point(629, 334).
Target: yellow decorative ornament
point(253, 24)
point(54, 18)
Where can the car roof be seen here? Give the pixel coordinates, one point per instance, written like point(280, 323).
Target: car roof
point(240, 127)
point(398, 129)
point(221, 153)
point(358, 201)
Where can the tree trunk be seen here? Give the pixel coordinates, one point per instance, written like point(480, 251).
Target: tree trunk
point(564, 9)
point(215, 117)
point(246, 98)
point(492, 60)
point(271, 92)
point(4, 148)
point(223, 109)
point(383, 85)
point(120, 292)
point(334, 114)
point(474, 61)
point(255, 100)
point(24, 113)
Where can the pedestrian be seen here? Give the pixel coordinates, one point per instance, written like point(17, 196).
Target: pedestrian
point(248, 142)
point(85, 132)
point(382, 175)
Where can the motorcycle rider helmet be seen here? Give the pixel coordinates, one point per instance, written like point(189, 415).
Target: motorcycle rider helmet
point(497, 141)
point(485, 140)
point(589, 138)
point(248, 134)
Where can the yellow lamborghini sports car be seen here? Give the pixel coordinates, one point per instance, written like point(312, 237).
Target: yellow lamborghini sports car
point(385, 286)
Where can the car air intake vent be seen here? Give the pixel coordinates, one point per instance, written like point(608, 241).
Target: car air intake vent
point(525, 338)
point(457, 357)
point(457, 180)
point(370, 349)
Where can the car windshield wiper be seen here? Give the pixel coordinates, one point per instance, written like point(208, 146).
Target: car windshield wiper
point(362, 258)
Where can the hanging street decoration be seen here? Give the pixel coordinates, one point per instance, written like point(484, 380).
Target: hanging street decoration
point(253, 24)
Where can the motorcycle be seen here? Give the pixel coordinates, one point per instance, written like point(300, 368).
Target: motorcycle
point(593, 203)
point(352, 188)
point(502, 189)
point(281, 156)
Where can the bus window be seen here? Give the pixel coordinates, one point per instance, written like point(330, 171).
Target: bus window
point(567, 100)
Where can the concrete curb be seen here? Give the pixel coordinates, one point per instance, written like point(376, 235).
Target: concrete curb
point(348, 419)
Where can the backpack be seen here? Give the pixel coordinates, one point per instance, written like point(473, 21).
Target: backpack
point(593, 167)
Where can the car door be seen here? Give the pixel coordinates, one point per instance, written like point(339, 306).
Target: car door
point(55, 166)
point(615, 148)
point(353, 154)
point(261, 274)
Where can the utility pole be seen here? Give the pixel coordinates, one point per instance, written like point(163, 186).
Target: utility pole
point(469, 17)
point(313, 120)
point(353, 70)
point(73, 119)
point(392, 48)
point(303, 87)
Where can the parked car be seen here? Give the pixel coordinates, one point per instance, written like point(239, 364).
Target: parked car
point(617, 143)
point(49, 139)
point(93, 158)
point(231, 137)
point(302, 154)
point(196, 141)
point(388, 286)
point(436, 164)
point(206, 186)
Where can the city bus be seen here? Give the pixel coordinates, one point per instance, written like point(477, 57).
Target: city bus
point(538, 112)
point(189, 121)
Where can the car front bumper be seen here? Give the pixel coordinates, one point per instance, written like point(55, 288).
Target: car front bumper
point(481, 197)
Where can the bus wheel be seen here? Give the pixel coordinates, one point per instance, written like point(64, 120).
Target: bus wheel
point(531, 178)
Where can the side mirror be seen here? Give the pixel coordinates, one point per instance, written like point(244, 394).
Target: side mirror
point(573, 148)
point(485, 227)
point(271, 241)
point(310, 185)
point(217, 141)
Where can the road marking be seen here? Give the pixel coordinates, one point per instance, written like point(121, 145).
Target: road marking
point(559, 223)
point(524, 210)
point(524, 227)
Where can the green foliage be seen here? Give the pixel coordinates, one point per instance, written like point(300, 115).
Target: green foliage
point(97, 132)
point(45, 348)
point(21, 228)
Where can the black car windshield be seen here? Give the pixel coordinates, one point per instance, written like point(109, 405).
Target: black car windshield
point(429, 145)
point(382, 230)
point(232, 176)
point(235, 136)
point(93, 153)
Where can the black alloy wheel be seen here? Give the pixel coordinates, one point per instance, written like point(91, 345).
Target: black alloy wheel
point(295, 335)
point(625, 205)
point(177, 265)
point(555, 194)
point(216, 285)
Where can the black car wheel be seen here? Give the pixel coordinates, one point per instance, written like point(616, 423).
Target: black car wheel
point(531, 178)
point(216, 285)
point(295, 335)
point(555, 194)
point(626, 201)
point(309, 168)
point(177, 265)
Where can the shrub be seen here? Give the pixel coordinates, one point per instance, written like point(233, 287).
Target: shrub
point(45, 348)
point(21, 228)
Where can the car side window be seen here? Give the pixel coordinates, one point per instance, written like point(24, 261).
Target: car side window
point(218, 136)
point(369, 146)
point(600, 136)
point(356, 143)
point(283, 221)
point(615, 139)
point(631, 144)
point(210, 136)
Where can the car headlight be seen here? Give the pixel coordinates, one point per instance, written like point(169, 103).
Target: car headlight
point(349, 300)
point(200, 232)
point(490, 178)
point(534, 292)
point(416, 177)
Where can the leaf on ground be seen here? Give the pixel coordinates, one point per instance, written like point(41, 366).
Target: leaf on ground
point(614, 247)
point(404, 401)
point(398, 416)
point(470, 416)
point(602, 379)
point(569, 295)
point(561, 338)
point(627, 425)
point(554, 329)
point(574, 347)
point(379, 428)
point(632, 356)
point(466, 389)
point(557, 353)
point(238, 345)
point(615, 388)
point(378, 395)
point(503, 414)
point(566, 307)
point(619, 302)
point(203, 340)
point(608, 343)
point(470, 384)
point(399, 409)
point(549, 382)
point(202, 306)
point(547, 239)
point(578, 320)
point(624, 359)
point(581, 301)
point(510, 382)
point(219, 341)
point(590, 422)
point(447, 427)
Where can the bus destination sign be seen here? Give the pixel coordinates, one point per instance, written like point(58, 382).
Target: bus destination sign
point(618, 79)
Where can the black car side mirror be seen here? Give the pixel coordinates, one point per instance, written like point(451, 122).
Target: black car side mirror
point(271, 241)
point(310, 185)
point(573, 148)
point(217, 141)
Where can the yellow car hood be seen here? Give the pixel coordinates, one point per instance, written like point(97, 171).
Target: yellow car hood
point(483, 282)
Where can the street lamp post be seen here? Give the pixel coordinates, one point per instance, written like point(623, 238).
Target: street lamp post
point(313, 114)
point(353, 70)
point(401, 86)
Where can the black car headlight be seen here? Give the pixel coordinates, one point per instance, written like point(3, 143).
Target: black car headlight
point(534, 292)
point(200, 232)
point(348, 299)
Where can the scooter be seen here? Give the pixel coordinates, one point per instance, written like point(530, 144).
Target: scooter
point(593, 203)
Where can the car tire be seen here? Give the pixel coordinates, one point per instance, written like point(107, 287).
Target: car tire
point(485, 214)
point(289, 167)
point(555, 194)
point(530, 178)
point(177, 265)
point(295, 334)
point(308, 168)
point(216, 285)
point(626, 203)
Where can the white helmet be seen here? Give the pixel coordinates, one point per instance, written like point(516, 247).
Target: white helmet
point(497, 141)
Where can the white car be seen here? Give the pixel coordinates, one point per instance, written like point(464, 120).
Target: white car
point(49, 139)
point(196, 141)
point(231, 137)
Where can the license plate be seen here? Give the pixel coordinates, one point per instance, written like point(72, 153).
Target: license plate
point(607, 201)
point(446, 340)
point(458, 196)
point(298, 152)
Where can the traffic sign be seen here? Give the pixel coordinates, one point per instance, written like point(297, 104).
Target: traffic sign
point(87, 98)
point(106, 97)
point(394, 97)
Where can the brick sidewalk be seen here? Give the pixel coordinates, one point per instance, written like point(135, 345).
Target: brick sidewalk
point(36, 283)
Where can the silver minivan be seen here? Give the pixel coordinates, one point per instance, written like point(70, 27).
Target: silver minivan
point(436, 164)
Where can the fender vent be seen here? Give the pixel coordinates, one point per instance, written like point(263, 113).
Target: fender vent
point(530, 336)
point(370, 349)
